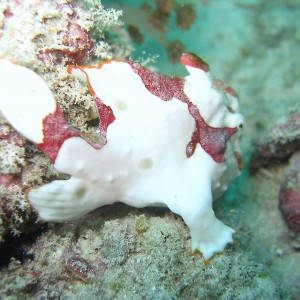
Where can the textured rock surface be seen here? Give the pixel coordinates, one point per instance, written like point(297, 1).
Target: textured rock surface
point(132, 256)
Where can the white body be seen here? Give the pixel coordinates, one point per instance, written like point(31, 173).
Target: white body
point(144, 162)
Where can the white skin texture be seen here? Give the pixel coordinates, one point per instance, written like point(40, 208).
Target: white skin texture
point(144, 162)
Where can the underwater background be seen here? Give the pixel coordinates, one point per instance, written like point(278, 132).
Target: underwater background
point(129, 253)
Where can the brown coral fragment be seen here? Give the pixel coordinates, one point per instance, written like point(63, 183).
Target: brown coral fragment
point(165, 6)
point(186, 16)
point(135, 34)
point(175, 50)
point(160, 17)
point(159, 20)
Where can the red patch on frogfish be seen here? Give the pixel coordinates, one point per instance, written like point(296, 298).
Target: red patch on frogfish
point(56, 130)
point(213, 140)
point(231, 91)
point(106, 116)
point(192, 60)
point(7, 14)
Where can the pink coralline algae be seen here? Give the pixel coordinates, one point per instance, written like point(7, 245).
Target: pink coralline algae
point(56, 131)
point(75, 44)
point(70, 41)
point(289, 203)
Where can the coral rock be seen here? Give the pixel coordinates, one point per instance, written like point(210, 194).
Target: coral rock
point(279, 145)
point(289, 201)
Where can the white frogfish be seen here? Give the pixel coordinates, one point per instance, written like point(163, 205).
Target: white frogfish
point(167, 141)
